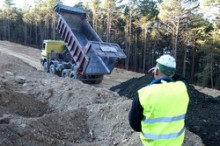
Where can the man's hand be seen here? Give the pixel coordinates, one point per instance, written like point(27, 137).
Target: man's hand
point(151, 70)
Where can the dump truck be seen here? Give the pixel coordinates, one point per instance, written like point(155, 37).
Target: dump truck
point(82, 54)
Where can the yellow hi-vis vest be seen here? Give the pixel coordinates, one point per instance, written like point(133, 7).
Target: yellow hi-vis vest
point(164, 109)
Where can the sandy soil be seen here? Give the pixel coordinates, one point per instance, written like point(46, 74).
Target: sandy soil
point(37, 108)
point(32, 57)
point(208, 91)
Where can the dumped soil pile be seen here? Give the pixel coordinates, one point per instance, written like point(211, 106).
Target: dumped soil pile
point(203, 116)
point(129, 88)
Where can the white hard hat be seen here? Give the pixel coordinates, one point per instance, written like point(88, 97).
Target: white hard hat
point(167, 61)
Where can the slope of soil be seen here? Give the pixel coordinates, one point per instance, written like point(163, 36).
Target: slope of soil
point(203, 116)
point(32, 57)
point(39, 109)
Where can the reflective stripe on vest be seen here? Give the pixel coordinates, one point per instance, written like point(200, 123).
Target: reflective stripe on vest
point(163, 136)
point(164, 119)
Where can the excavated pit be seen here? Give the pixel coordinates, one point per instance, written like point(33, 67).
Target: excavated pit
point(25, 105)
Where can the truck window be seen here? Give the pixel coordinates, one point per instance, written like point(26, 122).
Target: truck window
point(43, 46)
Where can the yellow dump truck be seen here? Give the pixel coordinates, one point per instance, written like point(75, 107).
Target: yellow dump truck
point(56, 60)
point(82, 55)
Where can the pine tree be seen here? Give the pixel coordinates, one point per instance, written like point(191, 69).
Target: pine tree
point(95, 7)
point(174, 16)
point(7, 12)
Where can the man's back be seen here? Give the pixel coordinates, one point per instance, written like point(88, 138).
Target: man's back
point(164, 108)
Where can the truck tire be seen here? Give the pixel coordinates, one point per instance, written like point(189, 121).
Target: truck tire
point(98, 81)
point(94, 82)
point(72, 75)
point(52, 69)
point(45, 66)
point(65, 73)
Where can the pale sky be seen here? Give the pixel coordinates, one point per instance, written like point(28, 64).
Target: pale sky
point(20, 3)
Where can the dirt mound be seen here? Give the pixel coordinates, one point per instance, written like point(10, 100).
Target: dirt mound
point(129, 88)
point(39, 109)
point(203, 116)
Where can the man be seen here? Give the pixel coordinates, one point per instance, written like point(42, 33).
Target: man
point(159, 110)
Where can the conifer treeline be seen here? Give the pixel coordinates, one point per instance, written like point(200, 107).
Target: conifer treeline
point(145, 29)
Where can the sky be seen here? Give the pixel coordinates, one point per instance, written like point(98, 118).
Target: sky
point(20, 3)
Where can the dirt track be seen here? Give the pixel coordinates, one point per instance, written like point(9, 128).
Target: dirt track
point(32, 57)
point(39, 109)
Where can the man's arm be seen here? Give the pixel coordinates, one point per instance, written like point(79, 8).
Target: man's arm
point(136, 115)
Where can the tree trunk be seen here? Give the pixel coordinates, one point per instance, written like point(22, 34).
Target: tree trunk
point(176, 39)
point(145, 49)
point(108, 26)
point(94, 21)
point(4, 28)
point(30, 40)
point(36, 35)
point(41, 33)
point(211, 67)
point(184, 63)
point(96, 24)
point(45, 31)
point(25, 33)
point(8, 24)
point(135, 51)
point(149, 54)
point(129, 43)
point(54, 28)
point(193, 63)
point(173, 43)
point(153, 53)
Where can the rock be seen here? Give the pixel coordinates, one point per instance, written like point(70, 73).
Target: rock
point(20, 79)
point(9, 73)
point(4, 120)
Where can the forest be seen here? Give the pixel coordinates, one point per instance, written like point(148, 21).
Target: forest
point(144, 29)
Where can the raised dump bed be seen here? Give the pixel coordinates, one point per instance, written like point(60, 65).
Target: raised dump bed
point(91, 55)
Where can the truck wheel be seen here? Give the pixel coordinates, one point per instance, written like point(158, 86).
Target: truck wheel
point(98, 81)
point(72, 75)
point(52, 69)
point(45, 67)
point(95, 82)
point(65, 73)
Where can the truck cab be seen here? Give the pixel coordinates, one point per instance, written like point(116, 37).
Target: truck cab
point(51, 45)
